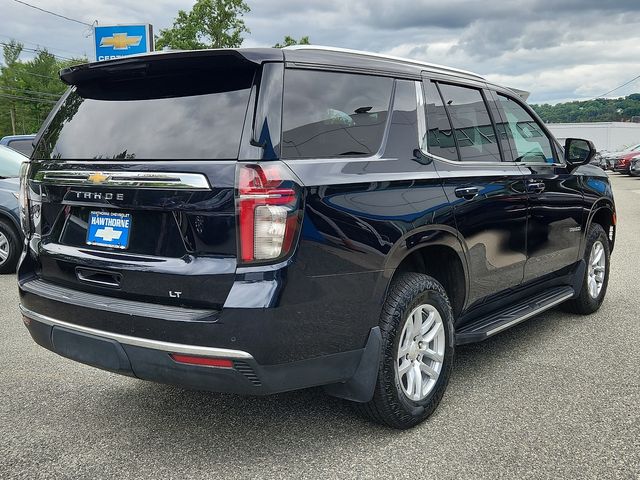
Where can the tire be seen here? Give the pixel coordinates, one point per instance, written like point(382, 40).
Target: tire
point(391, 405)
point(9, 247)
point(586, 302)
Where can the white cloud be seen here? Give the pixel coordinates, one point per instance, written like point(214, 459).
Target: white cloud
point(557, 50)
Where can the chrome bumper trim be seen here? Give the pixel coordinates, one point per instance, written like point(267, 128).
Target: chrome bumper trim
point(140, 342)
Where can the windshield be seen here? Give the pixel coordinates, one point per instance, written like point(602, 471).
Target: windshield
point(10, 162)
point(632, 148)
point(159, 118)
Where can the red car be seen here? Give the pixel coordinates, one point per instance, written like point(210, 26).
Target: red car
point(623, 163)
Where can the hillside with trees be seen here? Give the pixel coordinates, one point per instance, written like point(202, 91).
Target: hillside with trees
point(621, 109)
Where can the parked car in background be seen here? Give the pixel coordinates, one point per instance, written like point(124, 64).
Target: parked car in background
point(600, 161)
point(10, 232)
point(619, 161)
point(634, 168)
point(317, 217)
point(622, 164)
point(20, 143)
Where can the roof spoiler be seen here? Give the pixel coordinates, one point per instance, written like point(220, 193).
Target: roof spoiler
point(159, 62)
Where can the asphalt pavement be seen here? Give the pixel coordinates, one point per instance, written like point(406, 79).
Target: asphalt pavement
point(555, 397)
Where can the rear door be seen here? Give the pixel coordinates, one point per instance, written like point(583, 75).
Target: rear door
point(555, 195)
point(487, 193)
point(136, 175)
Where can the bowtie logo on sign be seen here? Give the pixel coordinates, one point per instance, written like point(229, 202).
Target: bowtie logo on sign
point(121, 41)
point(115, 41)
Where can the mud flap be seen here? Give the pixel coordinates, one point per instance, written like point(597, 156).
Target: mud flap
point(360, 387)
point(578, 278)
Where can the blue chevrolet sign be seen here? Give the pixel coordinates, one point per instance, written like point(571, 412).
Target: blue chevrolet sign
point(117, 41)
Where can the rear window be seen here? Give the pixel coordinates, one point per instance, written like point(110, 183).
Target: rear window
point(23, 146)
point(329, 114)
point(186, 116)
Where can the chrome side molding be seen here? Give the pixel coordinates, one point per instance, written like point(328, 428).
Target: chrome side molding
point(122, 179)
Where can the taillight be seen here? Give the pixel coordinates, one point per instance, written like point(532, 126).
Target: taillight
point(268, 204)
point(23, 198)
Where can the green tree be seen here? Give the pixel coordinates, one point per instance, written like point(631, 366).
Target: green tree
point(209, 24)
point(289, 40)
point(28, 89)
point(11, 52)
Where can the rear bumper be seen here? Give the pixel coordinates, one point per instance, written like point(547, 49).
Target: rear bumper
point(150, 360)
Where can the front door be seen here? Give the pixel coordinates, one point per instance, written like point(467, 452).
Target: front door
point(555, 197)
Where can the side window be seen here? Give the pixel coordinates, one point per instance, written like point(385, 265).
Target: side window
point(403, 129)
point(329, 114)
point(440, 141)
point(472, 124)
point(528, 141)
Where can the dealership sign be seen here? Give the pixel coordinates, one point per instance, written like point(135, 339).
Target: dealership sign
point(117, 41)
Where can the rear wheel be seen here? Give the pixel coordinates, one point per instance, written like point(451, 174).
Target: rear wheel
point(596, 277)
point(9, 247)
point(417, 352)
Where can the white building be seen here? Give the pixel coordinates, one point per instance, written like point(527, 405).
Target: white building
point(606, 136)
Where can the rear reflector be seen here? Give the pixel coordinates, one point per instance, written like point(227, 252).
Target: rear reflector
point(204, 361)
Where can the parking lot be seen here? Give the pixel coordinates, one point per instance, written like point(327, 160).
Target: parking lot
point(555, 397)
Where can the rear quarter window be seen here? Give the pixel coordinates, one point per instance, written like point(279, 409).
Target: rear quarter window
point(330, 114)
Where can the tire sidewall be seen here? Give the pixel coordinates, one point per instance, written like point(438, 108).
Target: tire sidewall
point(435, 299)
point(596, 233)
point(13, 240)
point(422, 294)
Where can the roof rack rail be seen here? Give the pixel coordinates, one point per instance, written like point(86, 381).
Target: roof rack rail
point(383, 56)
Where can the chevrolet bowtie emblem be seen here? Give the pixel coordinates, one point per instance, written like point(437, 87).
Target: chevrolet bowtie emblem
point(98, 177)
point(121, 41)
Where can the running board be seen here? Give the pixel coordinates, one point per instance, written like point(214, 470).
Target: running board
point(484, 328)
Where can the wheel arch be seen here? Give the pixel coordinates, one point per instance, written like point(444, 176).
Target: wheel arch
point(438, 251)
point(603, 213)
point(6, 214)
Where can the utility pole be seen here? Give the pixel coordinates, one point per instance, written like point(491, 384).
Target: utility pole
point(13, 120)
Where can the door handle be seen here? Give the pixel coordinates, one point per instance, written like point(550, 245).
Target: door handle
point(99, 277)
point(535, 187)
point(467, 192)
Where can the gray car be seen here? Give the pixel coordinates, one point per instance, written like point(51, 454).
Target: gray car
point(10, 232)
point(634, 168)
point(20, 143)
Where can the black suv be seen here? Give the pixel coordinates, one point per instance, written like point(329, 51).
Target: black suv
point(262, 220)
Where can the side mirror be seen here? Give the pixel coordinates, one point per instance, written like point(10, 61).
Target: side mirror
point(578, 151)
point(420, 157)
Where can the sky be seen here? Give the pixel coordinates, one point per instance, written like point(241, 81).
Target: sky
point(558, 50)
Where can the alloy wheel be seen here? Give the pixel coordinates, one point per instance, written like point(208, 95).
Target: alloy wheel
point(597, 272)
point(4, 248)
point(420, 352)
